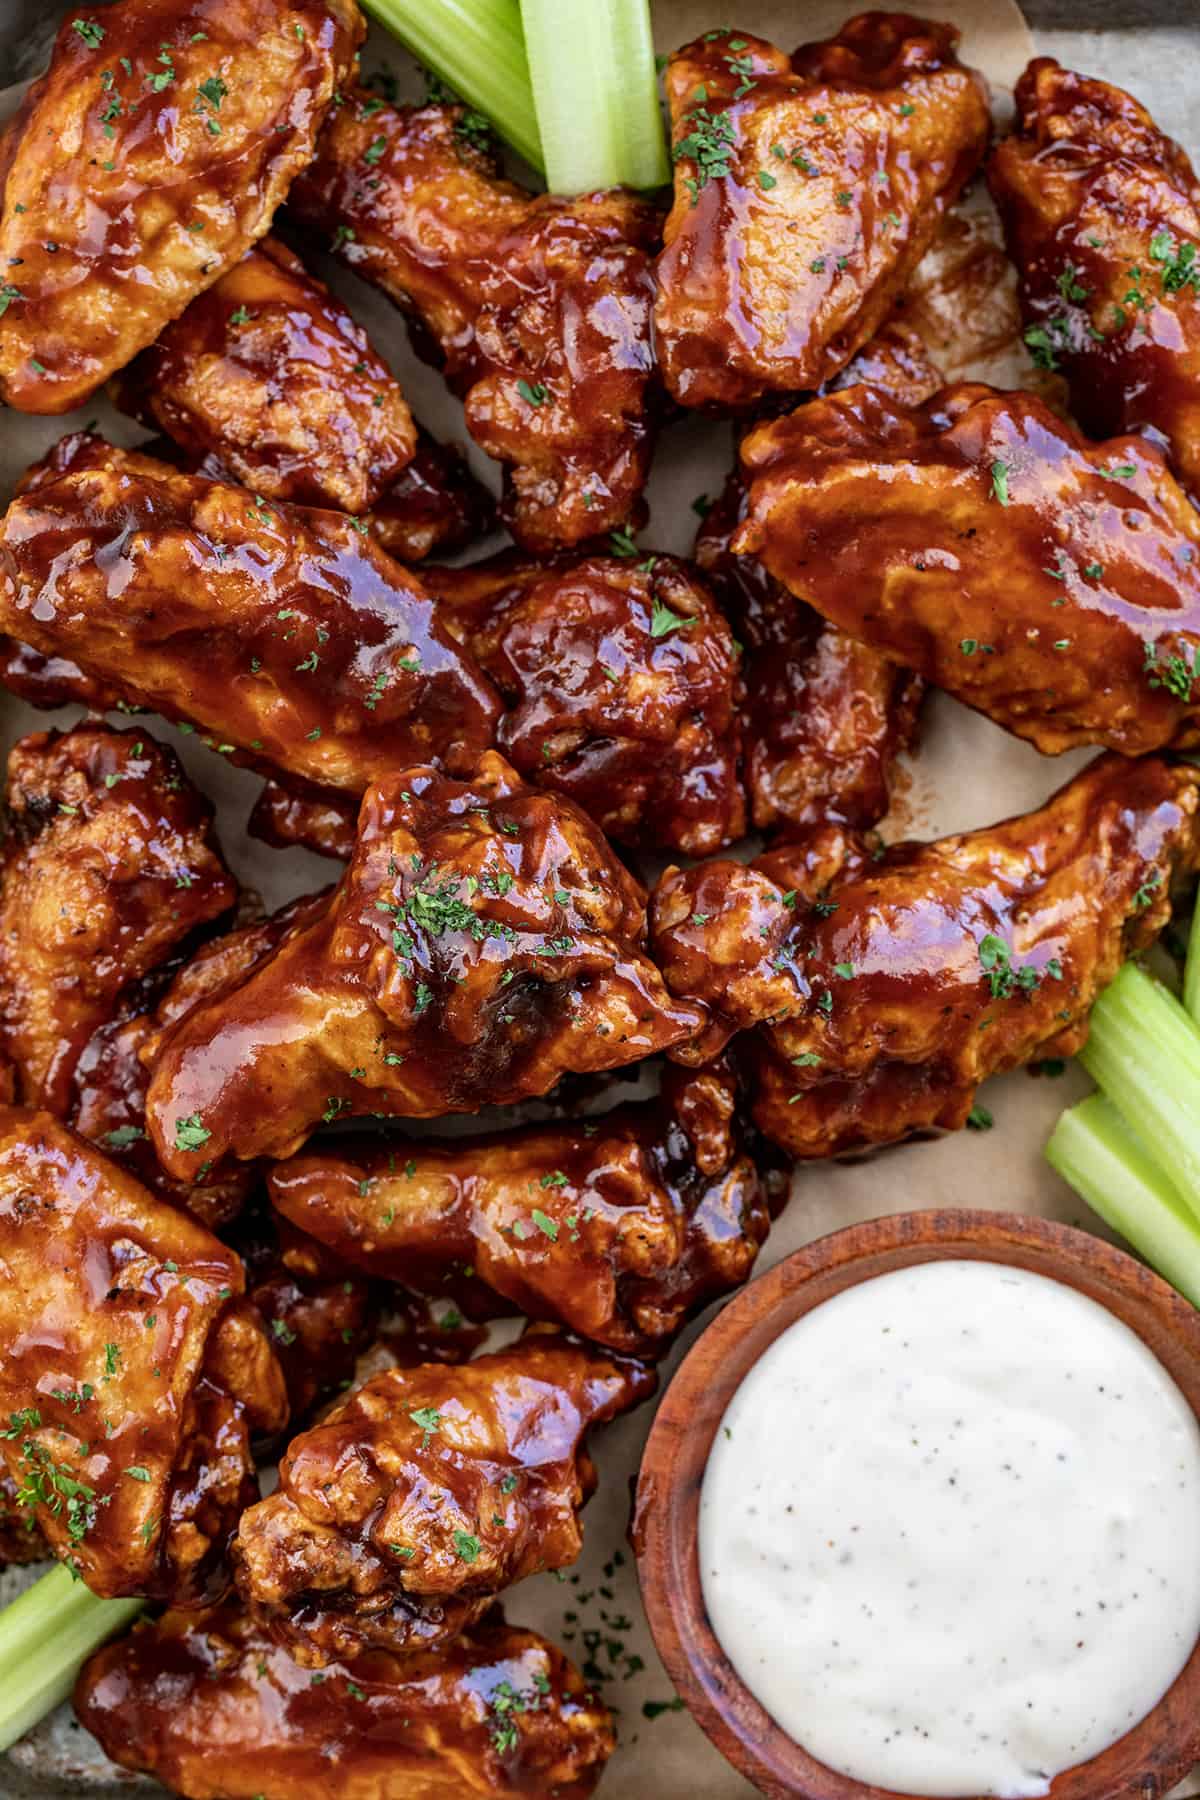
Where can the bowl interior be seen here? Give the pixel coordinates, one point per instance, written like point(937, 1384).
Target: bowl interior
point(1148, 1760)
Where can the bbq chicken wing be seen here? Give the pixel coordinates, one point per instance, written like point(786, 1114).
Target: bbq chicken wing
point(619, 1227)
point(131, 1370)
point(539, 309)
point(108, 1105)
point(884, 996)
point(269, 373)
point(1050, 583)
point(1102, 215)
point(213, 1707)
point(621, 682)
point(427, 1491)
point(825, 717)
point(110, 866)
point(281, 631)
point(143, 165)
point(807, 189)
point(483, 942)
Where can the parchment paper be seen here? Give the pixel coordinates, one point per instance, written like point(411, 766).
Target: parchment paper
point(966, 773)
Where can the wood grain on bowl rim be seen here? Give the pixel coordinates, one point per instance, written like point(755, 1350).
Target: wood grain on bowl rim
point(1149, 1760)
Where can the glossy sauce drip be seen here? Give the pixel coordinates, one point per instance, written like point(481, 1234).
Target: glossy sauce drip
point(950, 1530)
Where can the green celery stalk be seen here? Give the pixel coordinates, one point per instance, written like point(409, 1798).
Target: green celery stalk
point(596, 88)
point(46, 1634)
point(1191, 969)
point(1144, 1051)
point(1094, 1149)
point(477, 48)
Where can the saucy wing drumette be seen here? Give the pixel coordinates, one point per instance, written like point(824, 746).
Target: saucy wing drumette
point(268, 372)
point(132, 1372)
point(807, 189)
point(281, 631)
point(1050, 583)
point(618, 1227)
point(215, 1708)
point(110, 866)
point(1102, 215)
point(621, 682)
point(884, 991)
point(538, 308)
point(427, 1491)
point(141, 167)
point(484, 942)
point(108, 1100)
point(825, 716)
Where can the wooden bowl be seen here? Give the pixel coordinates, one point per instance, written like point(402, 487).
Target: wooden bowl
point(1147, 1761)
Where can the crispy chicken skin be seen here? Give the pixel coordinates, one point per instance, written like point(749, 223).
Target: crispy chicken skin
point(618, 1228)
point(213, 1707)
point(1102, 215)
point(887, 992)
point(108, 1104)
point(110, 865)
point(807, 189)
point(280, 630)
point(539, 309)
point(483, 942)
point(621, 681)
point(268, 371)
point(131, 1371)
point(143, 165)
point(1050, 583)
point(435, 505)
point(427, 1491)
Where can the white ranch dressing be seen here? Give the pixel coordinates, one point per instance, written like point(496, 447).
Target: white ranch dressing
point(950, 1530)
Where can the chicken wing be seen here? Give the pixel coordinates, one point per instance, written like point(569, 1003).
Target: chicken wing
point(621, 681)
point(131, 1370)
point(267, 371)
point(618, 1227)
point(1050, 583)
point(142, 166)
point(539, 309)
point(318, 1312)
point(427, 1491)
point(884, 992)
point(281, 631)
point(108, 1102)
point(213, 1707)
point(434, 506)
point(484, 941)
point(807, 189)
point(1102, 215)
point(110, 866)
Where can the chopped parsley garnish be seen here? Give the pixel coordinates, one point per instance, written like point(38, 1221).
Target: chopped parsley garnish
point(709, 145)
point(1044, 341)
point(1147, 891)
point(545, 1224)
point(1179, 268)
point(374, 150)
point(190, 1133)
point(1174, 672)
point(242, 316)
point(428, 1420)
point(466, 1547)
point(979, 1119)
point(91, 33)
point(1000, 482)
point(622, 542)
point(533, 395)
point(1004, 977)
point(663, 621)
point(8, 293)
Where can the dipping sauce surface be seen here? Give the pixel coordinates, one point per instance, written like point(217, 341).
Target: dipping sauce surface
point(950, 1530)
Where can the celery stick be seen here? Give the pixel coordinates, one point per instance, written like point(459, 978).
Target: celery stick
point(46, 1634)
point(477, 48)
point(1094, 1149)
point(1144, 1051)
point(1191, 971)
point(596, 89)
